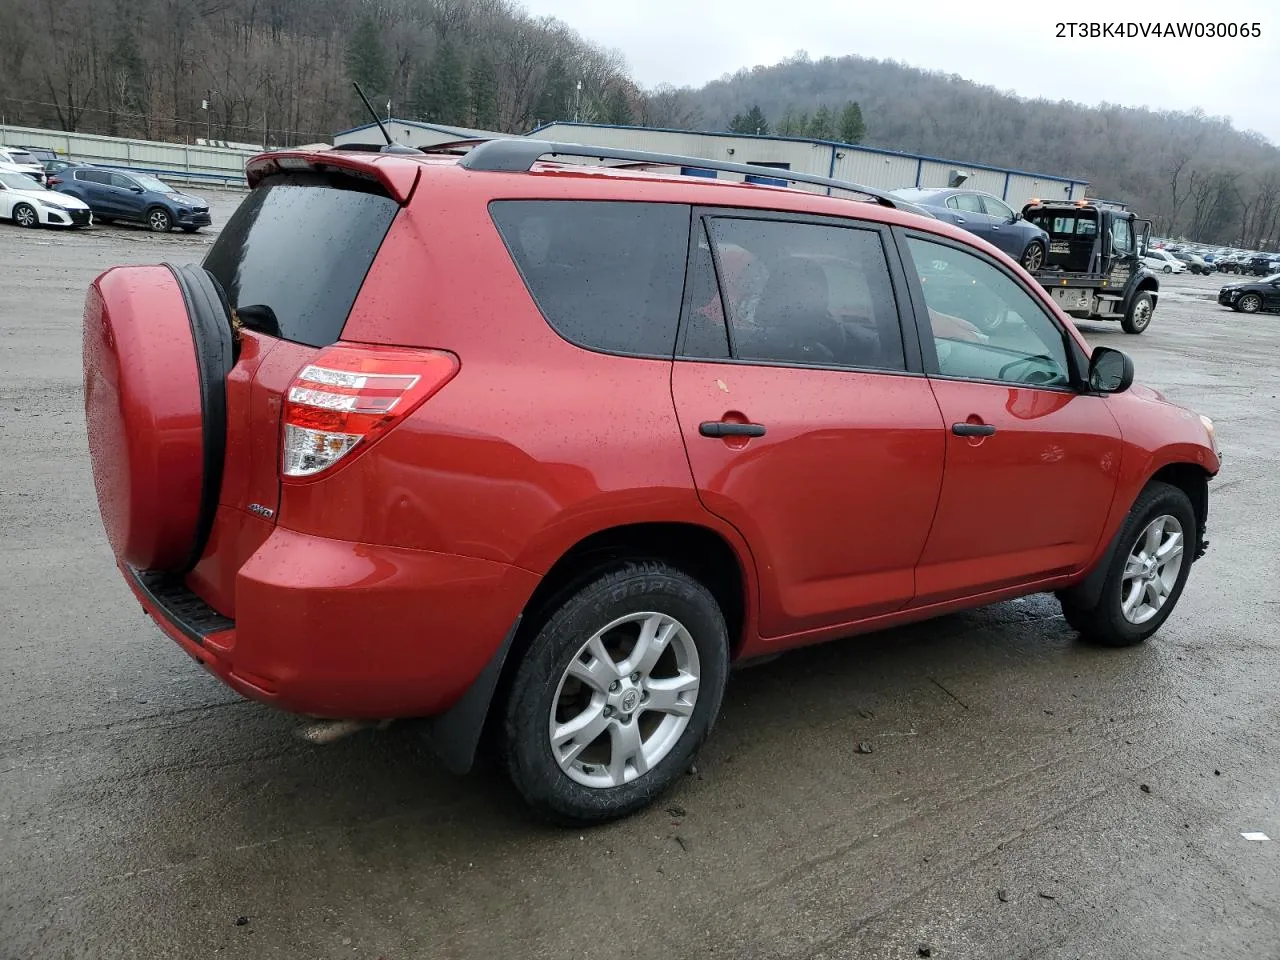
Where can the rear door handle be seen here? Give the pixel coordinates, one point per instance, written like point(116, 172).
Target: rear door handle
point(972, 429)
point(959, 219)
point(719, 428)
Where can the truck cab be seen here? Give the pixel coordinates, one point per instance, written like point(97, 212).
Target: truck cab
point(1093, 268)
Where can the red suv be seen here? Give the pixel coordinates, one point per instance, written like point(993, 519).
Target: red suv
point(537, 449)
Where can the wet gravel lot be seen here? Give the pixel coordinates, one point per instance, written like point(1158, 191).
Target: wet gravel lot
point(1025, 796)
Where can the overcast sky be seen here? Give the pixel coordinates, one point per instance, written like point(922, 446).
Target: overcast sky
point(688, 42)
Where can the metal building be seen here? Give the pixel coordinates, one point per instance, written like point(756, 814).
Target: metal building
point(412, 133)
point(870, 166)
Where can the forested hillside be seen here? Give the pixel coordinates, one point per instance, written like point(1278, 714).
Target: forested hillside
point(284, 67)
point(1196, 174)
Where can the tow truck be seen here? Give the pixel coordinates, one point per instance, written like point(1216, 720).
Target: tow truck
point(1093, 268)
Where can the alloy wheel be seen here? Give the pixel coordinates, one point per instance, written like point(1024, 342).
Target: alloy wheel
point(624, 700)
point(1151, 570)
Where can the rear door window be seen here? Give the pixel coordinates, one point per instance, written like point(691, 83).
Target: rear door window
point(606, 275)
point(294, 255)
point(802, 293)
point(93, 176)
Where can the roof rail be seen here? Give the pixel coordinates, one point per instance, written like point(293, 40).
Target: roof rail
point(519, 154)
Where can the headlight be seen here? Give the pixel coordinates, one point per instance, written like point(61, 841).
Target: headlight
point(1213, 434)
point(51, 205)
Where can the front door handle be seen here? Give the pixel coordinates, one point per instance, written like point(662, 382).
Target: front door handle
point(972, 429)
point(721, 428)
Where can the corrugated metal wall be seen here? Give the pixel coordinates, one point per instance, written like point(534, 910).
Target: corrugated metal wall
point(175, 161)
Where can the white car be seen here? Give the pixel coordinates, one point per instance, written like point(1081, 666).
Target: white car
point(1163, 261)
point(23, 162)
point(30, 204)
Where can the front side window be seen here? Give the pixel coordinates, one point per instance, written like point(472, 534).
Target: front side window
point(606, 275)
point(984, 325)
point(1122, 236)
point(996, 208)
point(119, 180)
point(804, 293)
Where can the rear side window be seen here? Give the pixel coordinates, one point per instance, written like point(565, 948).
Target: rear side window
point(93, 176)
point(606, 275)
point(802, 293)
point(294, 255)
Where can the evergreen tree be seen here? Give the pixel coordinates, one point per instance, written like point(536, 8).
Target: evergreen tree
point(852, 128)
point(822, 126)
point(752, 122)
point(484, 93)
point(367, 60)
point(440, 90)
point(556, 102)
point(618, 108)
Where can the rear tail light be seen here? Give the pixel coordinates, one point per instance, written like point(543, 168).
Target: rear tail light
point(54, 181)
point(349, 396)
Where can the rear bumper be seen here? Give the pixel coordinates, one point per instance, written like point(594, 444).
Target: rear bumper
point(331, 628)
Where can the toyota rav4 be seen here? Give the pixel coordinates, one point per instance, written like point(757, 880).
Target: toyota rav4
point(530, 451)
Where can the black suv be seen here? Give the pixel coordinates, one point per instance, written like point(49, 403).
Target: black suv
point(1262, 264)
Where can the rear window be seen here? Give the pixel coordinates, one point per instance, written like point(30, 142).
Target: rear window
point(294, 255)
point(606, 275)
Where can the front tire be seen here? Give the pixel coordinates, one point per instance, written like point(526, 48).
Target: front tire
point(158, 220)
point(1146, 573)
point(1249, 303)
point(1138, 316)
point(1033, 257)
point(616, 693)
point(24, 215)
point(1168, 269)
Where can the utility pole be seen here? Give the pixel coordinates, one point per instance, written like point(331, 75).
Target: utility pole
point(207, 106)
point(577, 103)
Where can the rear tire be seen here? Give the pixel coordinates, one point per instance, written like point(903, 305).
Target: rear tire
point(24, 215)
point(1138, 317)
point(579, 743)
point(1146, 574)
point(1033, 257)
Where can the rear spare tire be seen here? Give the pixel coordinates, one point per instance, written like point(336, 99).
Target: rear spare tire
point(157, 349)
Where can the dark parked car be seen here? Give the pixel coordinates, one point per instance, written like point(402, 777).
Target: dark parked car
point(1261, 264)
point(137, 197)
point(1250, 297)
point(987, 216)
point(54, 170)
point(42, 154)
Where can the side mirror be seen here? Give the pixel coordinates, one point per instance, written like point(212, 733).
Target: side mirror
point(1110, 371)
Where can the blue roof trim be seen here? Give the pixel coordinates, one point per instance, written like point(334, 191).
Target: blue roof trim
point(811, 140)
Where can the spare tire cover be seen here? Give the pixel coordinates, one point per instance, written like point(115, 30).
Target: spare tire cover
point(157, 348)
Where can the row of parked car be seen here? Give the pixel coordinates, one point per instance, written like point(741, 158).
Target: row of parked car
point(1169, 257)
point(37, 188)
